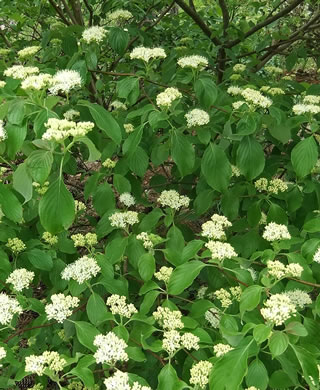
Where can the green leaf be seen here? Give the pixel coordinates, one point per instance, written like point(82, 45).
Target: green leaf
point(139, 161)
point(105, 121)
point(150, 220)
point(121, 183)
point(131, 143)
point(250, 157)
point(206, 91)
point(216, 168)
point(304, 156)
point(280, 380)
point(147, 266)
point(308, 364)
point(296, 329)
point(250, 298)
point(16, 112)
point(168, 378)
point(56, 208)
point(247, 125)
point(312, 226)
point(103, 199)
point(234, 362)
point(97, 310)
point(10, 205)
point(16, 136)
point(40, 120)
point(39, 165)
point(183, 276)
point(40, 259)
point(22, 182)
point(257, 375)
point(86, 334)
point(182, 153)
point(278, 343)
point(94, 154)
point(128, 88)
point(261, 333)
point(118, 39)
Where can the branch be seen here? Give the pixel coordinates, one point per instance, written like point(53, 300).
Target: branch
point(68, 11)
point(90, 9)
point(76, 8)
point(59, 12)
point(225, 15)
point(197, 19)
point(5, 39)
point(266, 22)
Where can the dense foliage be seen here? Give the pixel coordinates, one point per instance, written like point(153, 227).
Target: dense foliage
point(159, 195)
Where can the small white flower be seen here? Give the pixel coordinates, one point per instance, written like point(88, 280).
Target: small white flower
point(300, 109)
point(221, 349)
point(164, 274)
point(234, 90)
point(3, 353)
point(122, 220)
point(37, 82)
point(197, 117)
point(166, 98)
point(213, 317)
point(316, 256)
point(28, 51)
point(239, 68)
point(38, 364)
point(299, 298)
point(20, 72)
point(278, 308)
point(168, 319)
point(221, 250)
point(146, 54)
point(3, 133)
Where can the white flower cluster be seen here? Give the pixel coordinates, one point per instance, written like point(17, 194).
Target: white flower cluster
point(110, 349)
point(60, 308)
point(274, 231)
point(20, 72)
point(168, 319)
point(59, 129)
point(65, 81)
point(221, 349)
point(165, 98)
point(127, 199)
point(79, 206)
point(2, 84)
point(81, 270)
point(311, 99)
point(3, 133)
point(213, 317)
point(299, 298)
point(37, 82)
point(252, 388)
point(235, 171)
point(81, 240)
point(123, 220)
point(28, 51)
point(316, 256)
point(38, 364)
point(300, 109)
point(71, 114)
point(146, 54)
point(50, 238)
point(171, 198)
point(118, 305)
point(117, 105)
point(234, 90)
point(109, 164)
point(239, 68)
point(194, 62)
point(20, 278)
point(273, 69)
point(272, 91)
point(274, 186)
point(238, 104)
point(221, 250)
point(3, 353)
point(224, 297)
point(147, 243)
point(164, 274)
point(119, 16)
point(8, 308)
point(172, 341)
point(120, 381)
point(215, 228)
point(94, 34)
point(278, 270)
point(255, 98)
point(16, 245)
point(199, 374)
point(197, 117)
point(128, 128)
point(278, 308)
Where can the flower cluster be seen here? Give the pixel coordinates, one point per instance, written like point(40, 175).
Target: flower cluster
point(20, 278)
point(3, 354)
point(51, 360)
point(28, 51)
point(316, 256)
point(127, 199)
point(3, 133)
point(128, 128)
point(272, 91)
point(50, 238)
point(255, 98)
point(61, 306)
point(221, 349)
point(278, 270)
point(197, 117)
point(79, 206)
point(123, 220)
point(110, 349)
point(37, 82)
point(195, 62)
point(71, 114)
point(65, 81)
point(2, 84)
point(119, 16)
point(173, 340)
point(172, 199)
point(164, 274)
point(300, 109)
point(40, 189)
point(81, 270)
point(109, 164)
point(213, 317)
point(224, 297)
point(8, 308)
point(235, 171)
point(239, 68)
point(119, 306)
point(273, 69)
point(274, 231)
point(60, 129)
point(145, 238)
point(81, 240)
point(165, 98)
point(20, 72)
point(221, 250)
point(16, 245)
point(311, 99)
point(278, 308)
point(299, 298)
point(94, 34)
point(146, 54)
point(168, 319)
point(274, 186)
point(120, 381)
point(199, 373)
point(234, 90)
point(214, 229)
point(117, 105)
